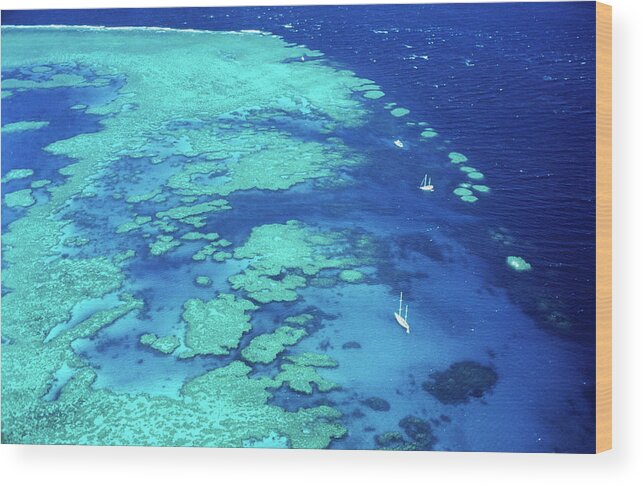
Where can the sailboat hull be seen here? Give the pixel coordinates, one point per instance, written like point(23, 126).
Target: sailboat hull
point(403, 323)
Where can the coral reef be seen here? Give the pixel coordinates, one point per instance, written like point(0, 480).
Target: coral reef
point(377, 404)
point(301, 319)
point(264, 288)
point(225, 399)
point(203, 280)
point(282, 257)
point(17, 173)
point(399, 112)
point(56, 81)
point(456, 157)
point(133, 225)
point(391, 440)
point(162, 245)
point(351, 345)
point(165, 345)
point(23, 126)
point(211, 249)
point(461, 382)
point(518, 264)
point(419, 431)
point(215, 326)
point(135, 199)
point(37, 184)
point(419, 436)
point(301, 379)
point(312, 360)
point(351, 276)
point(226, 406)
point(124, 256)
point(481, 188)
point(461, 191)
point(264, 348)
point(19, 198)
point(75, 241)
point(185, 212)
point(300, 373)
point(428, 133)
point(475, 175)
point(269, 160)
point(373, 94)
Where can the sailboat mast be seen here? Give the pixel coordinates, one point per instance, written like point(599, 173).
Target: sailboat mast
point(400, 310)
point(406, 313)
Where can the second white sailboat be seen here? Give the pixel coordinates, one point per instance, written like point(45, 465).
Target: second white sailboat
point(402, 320)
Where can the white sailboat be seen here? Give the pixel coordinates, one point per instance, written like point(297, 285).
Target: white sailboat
point(426, 185)
point(402, 319)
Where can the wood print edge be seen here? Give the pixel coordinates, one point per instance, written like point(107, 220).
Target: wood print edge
point(603, 227)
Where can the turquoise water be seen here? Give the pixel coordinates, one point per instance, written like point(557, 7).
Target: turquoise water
point(284, 133)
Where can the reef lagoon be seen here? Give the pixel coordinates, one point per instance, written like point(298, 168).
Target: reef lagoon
point(209, 214)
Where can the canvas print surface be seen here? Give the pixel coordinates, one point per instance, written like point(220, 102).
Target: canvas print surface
point(348, 227)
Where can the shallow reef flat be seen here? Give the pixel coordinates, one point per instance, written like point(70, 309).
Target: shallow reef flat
point(285, 257)
point(199, 108)
point(17, 174)
point(23, 126)
point(168, 77)
point(19, 198)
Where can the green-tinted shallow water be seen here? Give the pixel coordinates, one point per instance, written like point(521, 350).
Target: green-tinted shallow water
point(206, 97)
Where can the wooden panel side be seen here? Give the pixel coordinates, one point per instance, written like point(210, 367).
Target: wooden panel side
point(603, 227)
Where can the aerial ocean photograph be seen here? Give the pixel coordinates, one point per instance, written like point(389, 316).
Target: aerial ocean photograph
point(365, 227)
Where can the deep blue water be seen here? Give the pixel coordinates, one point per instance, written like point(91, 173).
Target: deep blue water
point(511, 86)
